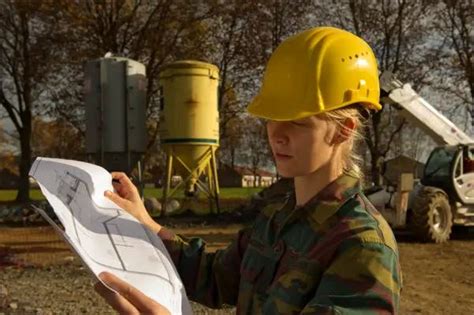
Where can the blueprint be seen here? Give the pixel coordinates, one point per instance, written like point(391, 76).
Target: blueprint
point(106, 237)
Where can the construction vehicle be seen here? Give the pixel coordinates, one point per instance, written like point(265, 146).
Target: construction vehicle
point(444, 196)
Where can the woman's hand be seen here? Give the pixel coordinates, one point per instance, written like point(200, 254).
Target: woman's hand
point(129, 300)
point(128, 198)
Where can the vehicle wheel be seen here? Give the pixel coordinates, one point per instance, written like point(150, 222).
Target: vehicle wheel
point(431, 218)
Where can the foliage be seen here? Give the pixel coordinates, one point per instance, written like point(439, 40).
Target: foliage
point(44, 44)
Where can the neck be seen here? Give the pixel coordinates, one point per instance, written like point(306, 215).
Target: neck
point(307, 186)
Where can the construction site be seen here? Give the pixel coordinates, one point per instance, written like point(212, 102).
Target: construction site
point(175, 121)
point(431, 218)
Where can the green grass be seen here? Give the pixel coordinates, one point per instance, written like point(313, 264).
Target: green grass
point(225, 193)
point(10, 194)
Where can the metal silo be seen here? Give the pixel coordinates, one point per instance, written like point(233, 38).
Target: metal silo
point(189, 126)
point(115, 95)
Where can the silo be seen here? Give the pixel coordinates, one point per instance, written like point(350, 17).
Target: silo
point(189, 126)
point(115, 96)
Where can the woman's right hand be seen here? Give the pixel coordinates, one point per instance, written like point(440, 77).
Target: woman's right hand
point(127, 300)
point(128, 198)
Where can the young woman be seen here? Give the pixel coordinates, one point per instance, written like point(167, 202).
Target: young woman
point(324, 249)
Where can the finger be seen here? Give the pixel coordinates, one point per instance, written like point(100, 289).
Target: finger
point(116, 186)
point(126, 187)
point(119, 201)
point(123, 179)
point(118, 303)
point(119, 189)
point(132, 294)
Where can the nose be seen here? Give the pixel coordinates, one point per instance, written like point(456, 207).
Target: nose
point(277, 132)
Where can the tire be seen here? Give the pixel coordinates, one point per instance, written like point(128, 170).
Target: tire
point(431, 218)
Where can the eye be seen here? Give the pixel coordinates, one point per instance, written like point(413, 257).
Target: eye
point(301, 122)
point(297, 123)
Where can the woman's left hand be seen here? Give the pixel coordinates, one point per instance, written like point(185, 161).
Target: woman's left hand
point(129, 300)
point(128, 198)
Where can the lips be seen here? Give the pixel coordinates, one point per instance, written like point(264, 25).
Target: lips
point(282, 156)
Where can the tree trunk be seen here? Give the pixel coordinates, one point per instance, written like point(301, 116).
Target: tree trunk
point(232, 157)
point(25, 161)
point(377, 169)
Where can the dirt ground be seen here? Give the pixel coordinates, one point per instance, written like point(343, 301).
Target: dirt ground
point(438, 278)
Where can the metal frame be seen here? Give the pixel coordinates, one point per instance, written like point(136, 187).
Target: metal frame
point(212, 191)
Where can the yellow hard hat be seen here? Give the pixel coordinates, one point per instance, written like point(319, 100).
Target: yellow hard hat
point(315, 71)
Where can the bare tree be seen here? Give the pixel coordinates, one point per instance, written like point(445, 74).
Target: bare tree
point(231, 146)
point(398, 31)
point(256, 150)
point(227, 49)
point(249, 32)
point(455, 22)
point(26, 59)
point(153, 33)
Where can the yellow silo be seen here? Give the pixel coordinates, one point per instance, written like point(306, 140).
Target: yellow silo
point(189, 126)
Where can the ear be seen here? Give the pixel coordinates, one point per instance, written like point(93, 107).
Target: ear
point(345, 131)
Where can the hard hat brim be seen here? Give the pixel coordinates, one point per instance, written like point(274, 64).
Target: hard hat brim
point(275, 112)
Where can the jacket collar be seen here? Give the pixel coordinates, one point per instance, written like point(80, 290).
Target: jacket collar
point(326, 202)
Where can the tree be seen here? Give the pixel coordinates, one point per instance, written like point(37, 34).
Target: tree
point(248, 33)
point(8, 159)
point(231, 146)
point(152, 33)
point(3, 138)
point(46, 142)
point(257, 151)
point(455, 23)
point(26, 59)
point(233, 50)
point(398, 31)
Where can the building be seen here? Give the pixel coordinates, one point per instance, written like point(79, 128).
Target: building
point(244, 177)
point(402, 164)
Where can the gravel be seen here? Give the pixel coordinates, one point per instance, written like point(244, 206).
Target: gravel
point(63, 289)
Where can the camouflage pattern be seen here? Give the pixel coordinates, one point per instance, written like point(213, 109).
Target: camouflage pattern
point(335, 255)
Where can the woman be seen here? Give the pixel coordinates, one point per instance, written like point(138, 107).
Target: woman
point(322, 250)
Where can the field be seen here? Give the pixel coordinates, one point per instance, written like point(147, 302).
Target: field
point(225, 193)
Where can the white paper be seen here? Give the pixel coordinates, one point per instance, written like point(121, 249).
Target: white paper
point(106, 237)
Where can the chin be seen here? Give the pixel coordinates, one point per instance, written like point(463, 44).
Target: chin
point(283, 175)
point(287, 173)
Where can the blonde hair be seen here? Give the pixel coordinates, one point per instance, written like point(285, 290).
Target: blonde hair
point(351, 160)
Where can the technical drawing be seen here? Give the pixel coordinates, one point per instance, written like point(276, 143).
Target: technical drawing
point(105, 236)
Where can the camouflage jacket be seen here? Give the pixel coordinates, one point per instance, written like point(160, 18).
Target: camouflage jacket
point(335, 255)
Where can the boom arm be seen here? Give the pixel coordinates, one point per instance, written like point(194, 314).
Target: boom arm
point(421, 113)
